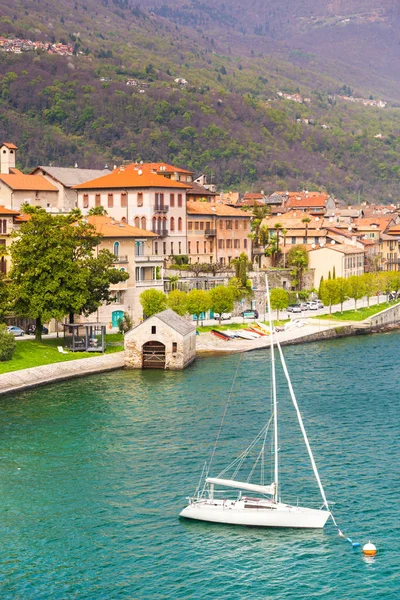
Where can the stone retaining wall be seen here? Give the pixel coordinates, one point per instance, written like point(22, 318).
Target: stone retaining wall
point(27, 378)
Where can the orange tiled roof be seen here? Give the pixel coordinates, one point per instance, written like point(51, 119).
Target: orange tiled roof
point(219, 210)
point(109, 227)
point(343, 248)
point(131, 176)
point(22, 182)
point(166, 168)
point(382, 223)
point(7, 211)
point(10, 146)
point(293, 220)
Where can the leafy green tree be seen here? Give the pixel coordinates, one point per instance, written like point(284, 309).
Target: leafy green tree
point(4, 298)
point(279, 299)
point(177, 301)
point(356, 288)
point(329, 293)
point(342, 290)
point(298, 260)
point(54, 271)
point(222, 300)
point(370, 285)
point(198, 302)
point(152, 301)
point(7, 344)
point(241, 284)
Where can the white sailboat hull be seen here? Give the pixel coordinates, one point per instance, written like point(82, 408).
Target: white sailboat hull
point(257, 513)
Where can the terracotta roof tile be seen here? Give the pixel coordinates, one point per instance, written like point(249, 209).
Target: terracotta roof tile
point(131, 176)
point(19, 181)
point(10, 146)
point(219, 210)
point(343, 248)
point(109, 227)
point(7, 211)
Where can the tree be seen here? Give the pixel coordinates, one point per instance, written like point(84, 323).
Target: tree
point(197, 268)
point(125, 324)
point(97, 211)
point(279, 299)
point(306, 221)
point(342, 290)
point(370, 285)
point(216, 267)
point(53, 269)
point(152, 301)
point(4, 298)
point(356, 288)
point(242, 265)
point(7, 344)
point(221, 300)
point(198, 302)
point(177, 301)
point(329, 293)
point(298, 260)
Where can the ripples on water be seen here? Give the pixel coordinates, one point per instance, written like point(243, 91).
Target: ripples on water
point(94, 472)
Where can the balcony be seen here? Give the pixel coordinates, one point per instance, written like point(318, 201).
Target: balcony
point(210, 232)
point(161, 232)
point(120, 259)
point(150, 283)
point(150, 258)
point(161, 208)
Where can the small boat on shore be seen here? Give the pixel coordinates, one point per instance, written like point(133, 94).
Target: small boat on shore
point(222, 335)
point(246, 335)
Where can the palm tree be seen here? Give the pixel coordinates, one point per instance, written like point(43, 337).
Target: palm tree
point(306, 221)
point(277, 227)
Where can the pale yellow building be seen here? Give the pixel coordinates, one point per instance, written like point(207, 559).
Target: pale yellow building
point(341, 259)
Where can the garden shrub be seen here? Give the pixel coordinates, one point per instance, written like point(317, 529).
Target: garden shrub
point(7, 344)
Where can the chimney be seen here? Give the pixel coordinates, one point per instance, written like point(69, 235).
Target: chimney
point(7, 161)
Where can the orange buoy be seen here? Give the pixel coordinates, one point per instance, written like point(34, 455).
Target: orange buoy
point(369, 549)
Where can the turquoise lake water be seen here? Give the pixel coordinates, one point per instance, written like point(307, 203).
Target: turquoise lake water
point(94, 472)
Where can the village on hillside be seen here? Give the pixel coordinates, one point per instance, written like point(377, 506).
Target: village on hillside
point(169, 229)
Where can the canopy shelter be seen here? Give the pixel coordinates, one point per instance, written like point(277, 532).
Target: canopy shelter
point(85, 337)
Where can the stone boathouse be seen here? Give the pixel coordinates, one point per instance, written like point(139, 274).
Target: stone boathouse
point(164, 341)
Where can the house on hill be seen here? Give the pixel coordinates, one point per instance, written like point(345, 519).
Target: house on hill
point(164, 341)
point(64, 178)
point(151, 196)
point(17, 189)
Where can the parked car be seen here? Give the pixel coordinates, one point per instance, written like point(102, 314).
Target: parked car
point(31, 329)
point(291, 307)
point(296, 308)
point(249, 314)
point(304, 305)
point(16, 331)
point(313, 305)
point(224, 316)
point(320, 304)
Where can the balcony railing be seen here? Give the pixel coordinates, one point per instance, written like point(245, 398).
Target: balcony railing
point(120, 259)
point(161, 208)
point(150, 258)
point(149, 283)
point(161, 232)
point(210, 232)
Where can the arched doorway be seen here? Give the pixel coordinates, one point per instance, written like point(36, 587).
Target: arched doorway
point(153, 355)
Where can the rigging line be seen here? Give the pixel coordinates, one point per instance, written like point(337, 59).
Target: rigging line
point(241, 458)
point(300, 419)
point(224, 414)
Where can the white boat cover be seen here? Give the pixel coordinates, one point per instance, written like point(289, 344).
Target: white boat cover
point(251, 487)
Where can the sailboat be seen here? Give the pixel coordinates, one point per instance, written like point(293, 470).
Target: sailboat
point(263, 508)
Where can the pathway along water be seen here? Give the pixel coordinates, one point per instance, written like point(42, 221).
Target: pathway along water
point(94, 472)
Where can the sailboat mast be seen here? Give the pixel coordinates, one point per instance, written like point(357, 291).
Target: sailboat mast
point(274, 402)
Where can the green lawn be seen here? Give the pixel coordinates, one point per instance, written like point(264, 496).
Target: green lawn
point(30, 353)
point(356, 315)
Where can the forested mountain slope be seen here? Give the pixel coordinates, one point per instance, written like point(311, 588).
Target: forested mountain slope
point(228, 120)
